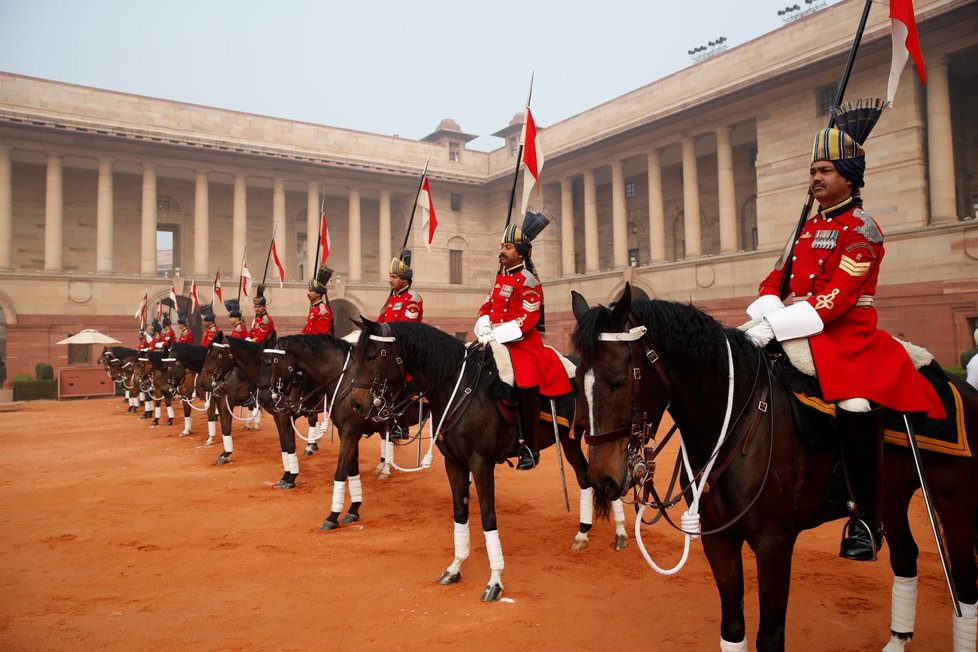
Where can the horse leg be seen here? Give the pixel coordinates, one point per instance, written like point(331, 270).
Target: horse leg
point(773, 578)
point(727, 564)
point(169, 409)
point(156, 413)
point(290, 461)
point(575, 457)
point(960, 534)
point(485, 485)
point(458, 480)
point(225, 413)
point(386, 457)
point(147, 406)
point(315, 434)
point(187, 418)
point(903, 552)
point(348, 448)
point(356, 490)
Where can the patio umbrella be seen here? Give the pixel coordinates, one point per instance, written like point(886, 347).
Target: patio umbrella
point(89, 336)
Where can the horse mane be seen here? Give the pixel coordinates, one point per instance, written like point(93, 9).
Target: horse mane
point(315, 343)
point(251, 349)
point(155, 358)
point(123, 352)
point(190, 355)
point(432, 349)
point(679, 330)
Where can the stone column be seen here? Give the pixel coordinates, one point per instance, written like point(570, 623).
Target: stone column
point(940, 148)
point(691, 199)
point(313, 223)
point(54, 216)
point(239, 224)
point(591, 258)
point(147, 257)
point(725, 191)
point(202, 231)
point(279, 227)
point(104, 228)
point(619, 215)
point(657, 219)
point(568, 267)
point(6, 208)
point(385, 236)
point(356, 261)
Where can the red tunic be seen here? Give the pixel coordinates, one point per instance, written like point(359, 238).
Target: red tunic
point(168, 336)
point(208, 335)
point(319, 320)
point(239, 331)
point(517, 296)
point(404, 305)
point(186, 336)
point(261, 328)
point(836, 261)
point(157, 339)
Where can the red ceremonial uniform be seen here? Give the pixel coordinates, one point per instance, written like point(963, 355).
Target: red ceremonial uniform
point(835, 269)
point(208, 335)
point(239, 331)
point(186, 336)
point(405, 305)
point(168, 336)
point(517, 296)
point(261, 328)
point(157, 339)
point(319, 321)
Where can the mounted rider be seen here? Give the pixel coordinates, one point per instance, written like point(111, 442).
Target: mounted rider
point(404, 303)
point(238, 329)
point(185, 336)
point(262, 325)
point(320, 317)
point(836, 265)
point(210, 328)
point(169, 337)
point(512, 314)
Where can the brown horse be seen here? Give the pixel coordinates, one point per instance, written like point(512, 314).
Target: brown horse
point(768, 484)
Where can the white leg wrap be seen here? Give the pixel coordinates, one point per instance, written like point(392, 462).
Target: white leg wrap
point(339, 495)
point(965, 628)
point(727, 646)
point(390, 452)
point(903, 605)
point(212, 429)
point(156, 412)
point(186, 424)
point(312, 434)
point(149, 406)
point(356, 489)
point(462, 541)
point(285, 462)
point(495, 550)
point(256, 417)
point(169, 411)
point(133, 401)
point(228, 443)
point(127, 395)
point(293, 463)
point(587, 506)
point(618, 509)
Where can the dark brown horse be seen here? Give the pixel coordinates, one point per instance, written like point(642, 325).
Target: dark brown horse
point(119, 363)
point(767, 484)
point(473, 435)
point(178, 374)
point(147, 378)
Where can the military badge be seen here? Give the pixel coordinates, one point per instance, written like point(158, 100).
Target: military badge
point(506, 291)
point(825, 239)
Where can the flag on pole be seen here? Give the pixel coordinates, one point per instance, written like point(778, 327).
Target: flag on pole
point(159, 311)
point(905, 43)
point(245, 277)
point(141, 311)
point(173, 295)
point(427, 206)
point(324, 240)
point(194, 299)
point(278, 263)
point(532, 158)
point(216, 288)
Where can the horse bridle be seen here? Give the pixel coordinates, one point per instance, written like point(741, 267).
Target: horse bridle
point(217, 375)
point(386, 407)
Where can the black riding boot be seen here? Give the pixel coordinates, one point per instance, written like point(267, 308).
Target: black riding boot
point(862, 446)
point(529, 420)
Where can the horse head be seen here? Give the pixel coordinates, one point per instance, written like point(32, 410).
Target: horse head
point(279, 376)
point(380, 373)
point(624, 399)
point(217, 363)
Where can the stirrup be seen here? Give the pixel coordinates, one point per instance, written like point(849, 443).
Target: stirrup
point(529, 459)
point(859, 541)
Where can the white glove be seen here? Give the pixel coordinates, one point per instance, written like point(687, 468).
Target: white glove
point(481, 324)
point(760, 334)
point(486, 336)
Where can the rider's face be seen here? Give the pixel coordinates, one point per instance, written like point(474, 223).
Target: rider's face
point(509, 256)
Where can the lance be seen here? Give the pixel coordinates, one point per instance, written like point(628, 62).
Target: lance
point(407, 231)
point(807, 208)
point(519, 159)
point(269, 255)
point(244, 257)
point(319, 237)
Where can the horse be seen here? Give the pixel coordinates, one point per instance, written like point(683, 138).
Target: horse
point(473, 433)
point(297, 371)
point(119, 363)
point(147, 378)
point(638, 359)
point(178, 374)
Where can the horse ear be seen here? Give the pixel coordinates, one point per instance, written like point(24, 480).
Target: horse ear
point(271, 341)
point(620, 312)
point(579, 304)
point(363, 323)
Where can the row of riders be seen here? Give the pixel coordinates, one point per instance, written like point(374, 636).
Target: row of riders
point(508, 395)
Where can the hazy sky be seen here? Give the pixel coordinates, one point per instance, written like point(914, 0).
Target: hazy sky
point(389, 67)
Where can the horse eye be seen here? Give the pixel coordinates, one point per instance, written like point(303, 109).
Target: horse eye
point(618, 384)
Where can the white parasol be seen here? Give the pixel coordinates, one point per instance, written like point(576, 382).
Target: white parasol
point(89, 336)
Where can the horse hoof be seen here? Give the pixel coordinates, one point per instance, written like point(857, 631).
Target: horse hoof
point(287, 485)
point(350, 517)
point(447, 579)
point(621, 542)
point(492, 593)
point(329, 525)
point(579, 545)
point(222, 459)
point(308, 451)
point(384, 475)
point(185, 433)
point(169, 422)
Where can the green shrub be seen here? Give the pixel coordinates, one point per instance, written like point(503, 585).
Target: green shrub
point(43, 371)
point(21, 377)
point(35, 390)
point(956, 371)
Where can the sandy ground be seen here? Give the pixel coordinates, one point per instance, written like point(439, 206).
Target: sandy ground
point(118, 536)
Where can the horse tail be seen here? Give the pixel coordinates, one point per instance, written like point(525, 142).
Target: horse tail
point(602, 506)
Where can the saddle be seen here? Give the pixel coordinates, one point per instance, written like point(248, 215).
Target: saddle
point(504, 363)
point(506, 392)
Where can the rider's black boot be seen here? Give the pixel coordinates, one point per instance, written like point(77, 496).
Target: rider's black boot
point(529, 419)
point(862, 442)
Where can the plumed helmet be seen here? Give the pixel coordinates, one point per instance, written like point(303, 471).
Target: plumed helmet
point(234, 309)
point(166, 321)
point(207, 314)
point(843, 144)
point(401, 266)
point(157, 328)
point(318, 284)
point(522, 236)
point(181, 319)
point(259, 299)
